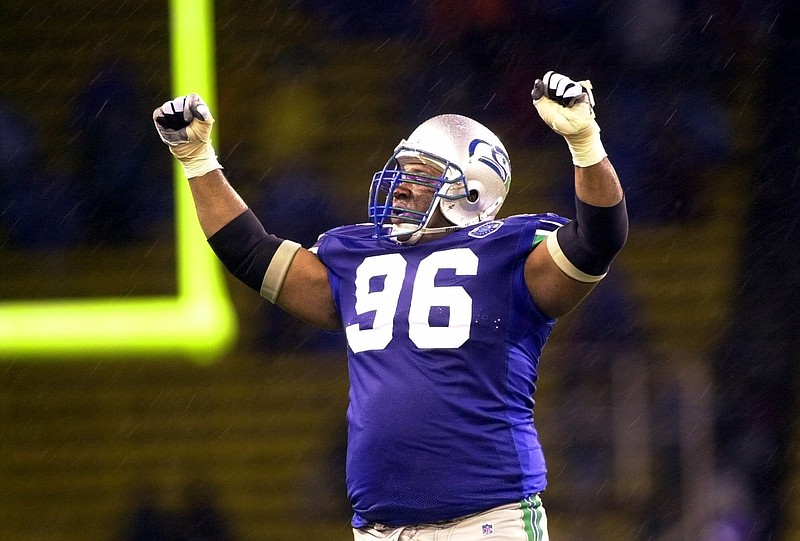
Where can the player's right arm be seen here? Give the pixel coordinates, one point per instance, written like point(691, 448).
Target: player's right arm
point(280, 270)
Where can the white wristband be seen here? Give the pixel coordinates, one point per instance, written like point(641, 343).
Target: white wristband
point(586, 147)
point(199, 167)
point(197, 158)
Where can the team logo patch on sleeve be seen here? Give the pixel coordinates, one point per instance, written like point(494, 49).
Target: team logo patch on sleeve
point(485, 229)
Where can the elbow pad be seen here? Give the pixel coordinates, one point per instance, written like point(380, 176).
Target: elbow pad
point(260, 260)
point(585, 247)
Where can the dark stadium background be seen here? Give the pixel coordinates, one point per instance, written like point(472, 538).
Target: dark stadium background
point(668, 402)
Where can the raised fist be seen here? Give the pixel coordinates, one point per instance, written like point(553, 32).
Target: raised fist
point(175, 120)
point(568, 108)
point(185, 125)
point(562, 90)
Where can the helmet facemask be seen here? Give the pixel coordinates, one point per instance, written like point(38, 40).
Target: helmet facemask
point(401, 223)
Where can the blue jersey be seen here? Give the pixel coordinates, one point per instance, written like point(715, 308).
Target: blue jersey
point(443, 347)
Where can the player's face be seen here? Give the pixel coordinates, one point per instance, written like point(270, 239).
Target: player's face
point(417, 197)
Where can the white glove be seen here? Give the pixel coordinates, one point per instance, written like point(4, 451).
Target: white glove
point(184, 124)
point(568, 108)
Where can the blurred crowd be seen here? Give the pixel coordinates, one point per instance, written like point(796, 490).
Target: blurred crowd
point(115, 188)
point(667, 70)
point(197, 516)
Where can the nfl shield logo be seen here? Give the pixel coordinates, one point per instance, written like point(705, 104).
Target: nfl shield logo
point(485, 229)
point(487, 529)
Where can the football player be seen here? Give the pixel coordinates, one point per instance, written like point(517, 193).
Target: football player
point(445, 309)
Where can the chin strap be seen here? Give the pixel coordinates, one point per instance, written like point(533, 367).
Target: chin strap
point(413, 238)
point(445, 229)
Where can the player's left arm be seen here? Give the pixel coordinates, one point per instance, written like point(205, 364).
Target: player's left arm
point(561, 271)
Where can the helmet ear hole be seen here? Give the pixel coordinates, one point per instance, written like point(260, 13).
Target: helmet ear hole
point(473, 195)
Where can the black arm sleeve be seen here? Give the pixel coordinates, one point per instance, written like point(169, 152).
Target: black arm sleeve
point(245, 248)
point(592, 240)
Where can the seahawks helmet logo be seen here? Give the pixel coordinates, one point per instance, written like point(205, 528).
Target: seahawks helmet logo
point(492, 156)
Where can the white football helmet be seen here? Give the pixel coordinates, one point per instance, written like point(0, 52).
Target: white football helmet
point(475, 175)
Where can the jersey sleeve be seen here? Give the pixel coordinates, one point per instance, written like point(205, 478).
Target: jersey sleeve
point(543, 225)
